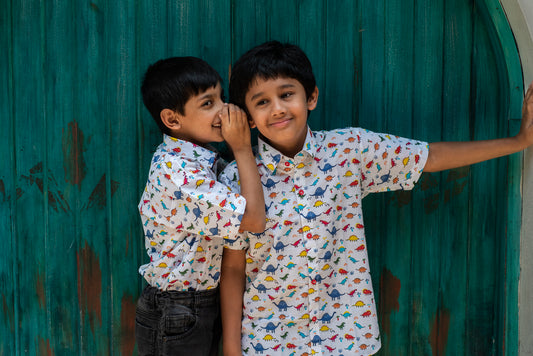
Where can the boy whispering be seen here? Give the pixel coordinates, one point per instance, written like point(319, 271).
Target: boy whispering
point(305, 281)
point(187, 214)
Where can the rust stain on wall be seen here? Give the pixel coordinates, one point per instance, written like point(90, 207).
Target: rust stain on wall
point(95, 7)
point(127, 323)
point(44, 347)
point(40, 290)
point(402, 198)
point(98, 197)
point(73, 148)
point(438, 337)
point(389, 286)
point(428, 181)
point(3, 190)
point(55, 196)
point(89, 285)
point(8, 310)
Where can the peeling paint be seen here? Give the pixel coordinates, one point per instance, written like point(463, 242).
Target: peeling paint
point(89, 285)
point(98, 196)
point(44, 347)
point(3, 190)
point(8, 310)
point(55, 196)
point(127, 323)
point(458, 173)
point(95, 7)
point(431, 203)
point(40, 290)
point(402, 198)
point(428, 181)
point(456, 181)
point(438, 337)
point(389, 286)
point(73, 148)
point(19, 192)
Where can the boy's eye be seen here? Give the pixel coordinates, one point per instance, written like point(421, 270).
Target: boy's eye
point(261, 103)
point(207, 103)
point(286, 95)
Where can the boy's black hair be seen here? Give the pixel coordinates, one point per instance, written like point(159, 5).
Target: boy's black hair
point(170, 83)
point(270, 60)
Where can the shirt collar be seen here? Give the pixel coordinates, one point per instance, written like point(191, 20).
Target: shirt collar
point(178, 147)
point(272, 158)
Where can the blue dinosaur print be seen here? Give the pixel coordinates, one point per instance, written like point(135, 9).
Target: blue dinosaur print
point(308, 284)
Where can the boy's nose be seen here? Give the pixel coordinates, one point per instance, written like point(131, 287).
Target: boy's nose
point(219, 104)
point(278, 109)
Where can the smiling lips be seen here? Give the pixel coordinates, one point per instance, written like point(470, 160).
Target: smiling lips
point(281, 123)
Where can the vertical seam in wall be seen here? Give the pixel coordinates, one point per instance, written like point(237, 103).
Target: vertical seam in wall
point(13, 193)
point(46, 173)
point(140, 144)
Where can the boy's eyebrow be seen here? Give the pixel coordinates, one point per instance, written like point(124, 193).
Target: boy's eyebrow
point(284, 86)
point(209, 94)
point(206, 96)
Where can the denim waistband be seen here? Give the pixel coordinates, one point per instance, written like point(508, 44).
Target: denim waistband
point(156, 297)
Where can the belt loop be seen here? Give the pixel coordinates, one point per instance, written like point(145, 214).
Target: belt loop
point(196, 300)
point(152, 296)
point(155, 298)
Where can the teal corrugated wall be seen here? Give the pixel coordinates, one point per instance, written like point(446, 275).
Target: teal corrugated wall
point(75, 144)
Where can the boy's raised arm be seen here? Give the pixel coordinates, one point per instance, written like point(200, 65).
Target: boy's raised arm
point(236, 132)
point(448, 155)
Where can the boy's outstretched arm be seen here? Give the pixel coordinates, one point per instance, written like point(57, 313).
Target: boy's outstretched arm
point(448, 155)
point(236, 132)
point(232, 284)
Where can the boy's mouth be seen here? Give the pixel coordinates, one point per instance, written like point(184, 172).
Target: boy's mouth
point(282, 122)
point(217, 126)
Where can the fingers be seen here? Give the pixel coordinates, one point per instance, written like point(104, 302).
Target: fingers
point(529, 92)
point(528, 100)
point(233, 116)
point(224, 115)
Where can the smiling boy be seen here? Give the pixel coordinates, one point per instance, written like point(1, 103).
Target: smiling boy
point(187, 215)
point(306, 280)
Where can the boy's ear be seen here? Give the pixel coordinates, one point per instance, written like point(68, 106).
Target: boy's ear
point(251, 123)
point(170, 119)
point(312, 100)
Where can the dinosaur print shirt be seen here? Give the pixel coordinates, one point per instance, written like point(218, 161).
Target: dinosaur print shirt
point(187, 217)
point(308, 286)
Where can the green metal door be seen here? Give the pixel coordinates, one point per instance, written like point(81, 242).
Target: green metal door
point(76, 142)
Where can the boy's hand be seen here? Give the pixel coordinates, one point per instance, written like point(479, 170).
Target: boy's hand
point(526, 128)
point(235, 128)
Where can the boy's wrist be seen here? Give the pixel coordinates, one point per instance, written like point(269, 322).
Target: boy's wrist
point(242, 150)
point(523, 141)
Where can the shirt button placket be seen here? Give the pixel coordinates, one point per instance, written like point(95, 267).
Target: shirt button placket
point(309, 236)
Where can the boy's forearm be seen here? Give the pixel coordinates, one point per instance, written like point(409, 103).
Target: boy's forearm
point(232, 284)
point(253, 219)
point(449, 155)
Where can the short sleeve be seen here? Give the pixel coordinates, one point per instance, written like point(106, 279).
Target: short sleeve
point(186, 196)
point(230, 177)
point(389, 162)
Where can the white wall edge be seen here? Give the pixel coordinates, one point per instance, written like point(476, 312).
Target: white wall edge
point(520, 16)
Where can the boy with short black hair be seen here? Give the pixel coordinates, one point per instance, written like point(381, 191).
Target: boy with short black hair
point(306, 280)
point(186, 213)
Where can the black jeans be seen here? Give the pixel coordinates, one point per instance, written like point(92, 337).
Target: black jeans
point(178, 323)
